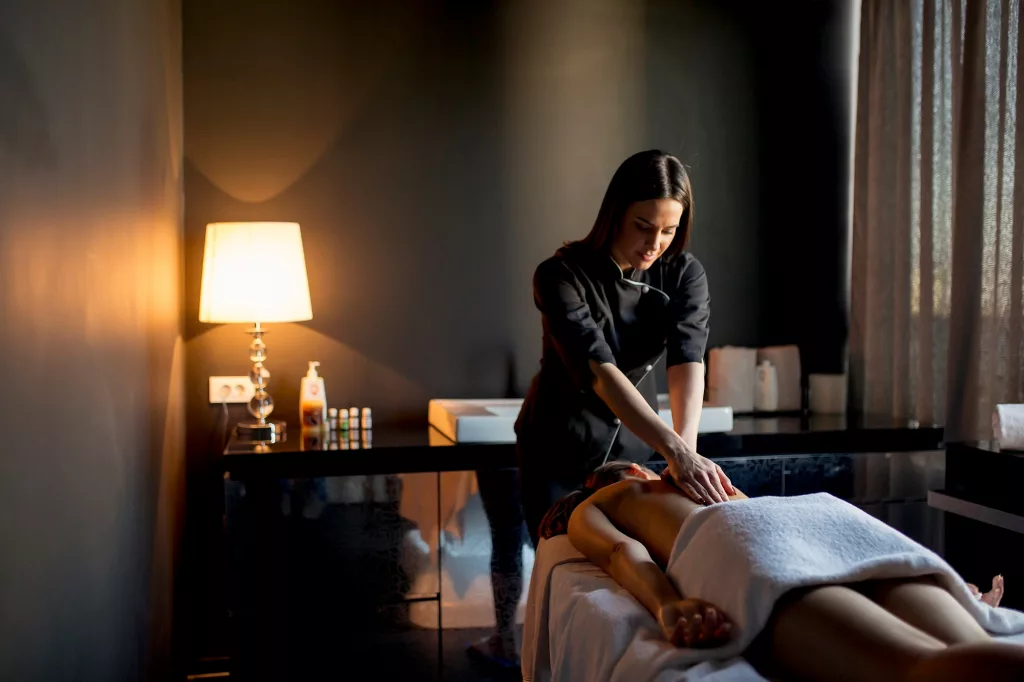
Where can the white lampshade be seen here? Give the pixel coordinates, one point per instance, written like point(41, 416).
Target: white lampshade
point(254, 272)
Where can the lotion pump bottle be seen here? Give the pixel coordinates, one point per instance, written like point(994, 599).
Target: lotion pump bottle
point(766, 398)
point(313, 399)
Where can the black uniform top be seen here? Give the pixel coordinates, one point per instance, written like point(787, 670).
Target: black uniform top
point(591, 311)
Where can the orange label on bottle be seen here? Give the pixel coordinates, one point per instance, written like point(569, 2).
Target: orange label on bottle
point(312, 415)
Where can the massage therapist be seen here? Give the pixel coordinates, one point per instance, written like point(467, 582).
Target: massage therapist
point(612, 306)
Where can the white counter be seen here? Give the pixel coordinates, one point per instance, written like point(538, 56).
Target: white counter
point(492, 421)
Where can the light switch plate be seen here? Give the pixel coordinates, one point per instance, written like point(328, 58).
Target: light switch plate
point(231, 389)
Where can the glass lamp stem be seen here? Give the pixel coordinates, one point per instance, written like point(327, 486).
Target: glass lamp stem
point(261, 405)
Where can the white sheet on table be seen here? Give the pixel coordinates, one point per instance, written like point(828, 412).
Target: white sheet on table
point(581, 625)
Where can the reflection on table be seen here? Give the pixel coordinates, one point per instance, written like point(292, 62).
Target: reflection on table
point(348, 439)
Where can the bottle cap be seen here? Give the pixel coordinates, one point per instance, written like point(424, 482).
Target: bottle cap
point(332, 412)
point(311, 372)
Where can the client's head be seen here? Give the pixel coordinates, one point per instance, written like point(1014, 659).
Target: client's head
point(556, 521)
point(615, 471)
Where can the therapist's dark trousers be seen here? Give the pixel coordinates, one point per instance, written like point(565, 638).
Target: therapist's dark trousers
point(542, 484)
point(499, 493)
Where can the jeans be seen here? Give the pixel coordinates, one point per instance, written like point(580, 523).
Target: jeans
point(499, 492)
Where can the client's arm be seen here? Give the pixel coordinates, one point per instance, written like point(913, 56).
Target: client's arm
point(687, 622)
point(620, 556)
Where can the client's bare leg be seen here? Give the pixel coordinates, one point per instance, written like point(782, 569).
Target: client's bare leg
point(835, 633)
point(992, 662)
point(926, 605)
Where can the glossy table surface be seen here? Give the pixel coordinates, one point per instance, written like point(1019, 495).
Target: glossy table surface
point(422, 448)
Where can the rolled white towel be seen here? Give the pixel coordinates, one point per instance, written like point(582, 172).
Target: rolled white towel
point(1008, 426)
point(732, 377)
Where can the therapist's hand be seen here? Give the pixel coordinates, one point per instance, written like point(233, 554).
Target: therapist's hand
point(699, 478)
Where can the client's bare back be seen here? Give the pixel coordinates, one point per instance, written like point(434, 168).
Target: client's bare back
point(649, 511)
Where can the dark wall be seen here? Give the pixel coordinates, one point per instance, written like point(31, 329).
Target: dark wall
point(434, 153)
point(91, 461)
point(803, 77)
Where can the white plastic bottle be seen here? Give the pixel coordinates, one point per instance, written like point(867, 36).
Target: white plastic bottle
point(766, 397)
point(313, 399)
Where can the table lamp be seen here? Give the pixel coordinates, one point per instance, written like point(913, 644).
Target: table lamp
point(255, 272)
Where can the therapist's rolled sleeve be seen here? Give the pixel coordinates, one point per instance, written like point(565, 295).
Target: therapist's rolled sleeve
point(576, 336)
point(691, 310)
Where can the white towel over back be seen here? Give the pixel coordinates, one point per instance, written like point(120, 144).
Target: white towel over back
point(776, 544)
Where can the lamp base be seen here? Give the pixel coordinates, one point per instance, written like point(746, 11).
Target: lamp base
point(272, 431)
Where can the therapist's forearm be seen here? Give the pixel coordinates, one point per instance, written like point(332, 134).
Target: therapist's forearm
point(686, 395)
point(626, 402)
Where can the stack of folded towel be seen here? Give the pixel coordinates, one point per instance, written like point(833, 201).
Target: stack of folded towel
point(1008, 426)
point(732, 376)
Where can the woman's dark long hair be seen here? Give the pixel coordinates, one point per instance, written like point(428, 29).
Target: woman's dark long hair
point(556, 521)
point(652, 174)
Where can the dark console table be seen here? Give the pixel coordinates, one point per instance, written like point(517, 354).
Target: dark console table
point(423, 449)
point(314, 569)
point(984, 523)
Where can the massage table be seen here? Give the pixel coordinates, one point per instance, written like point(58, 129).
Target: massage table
point(585, 627)
point(580, 625)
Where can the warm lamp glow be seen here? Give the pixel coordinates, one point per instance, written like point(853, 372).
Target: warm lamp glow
point(254, 272)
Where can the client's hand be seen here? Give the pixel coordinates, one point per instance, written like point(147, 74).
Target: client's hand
point(694, 624)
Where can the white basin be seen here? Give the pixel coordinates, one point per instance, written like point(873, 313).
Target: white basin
point(504, 411)
point(492, 421)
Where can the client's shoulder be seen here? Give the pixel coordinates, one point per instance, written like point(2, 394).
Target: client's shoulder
point(628, 488)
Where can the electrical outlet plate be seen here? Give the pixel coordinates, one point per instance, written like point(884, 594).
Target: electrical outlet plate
point(231, 389)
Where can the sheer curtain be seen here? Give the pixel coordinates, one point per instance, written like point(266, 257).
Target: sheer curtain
point(936, 294)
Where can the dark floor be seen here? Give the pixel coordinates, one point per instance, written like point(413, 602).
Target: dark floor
point(407, 656)
point(458, 667)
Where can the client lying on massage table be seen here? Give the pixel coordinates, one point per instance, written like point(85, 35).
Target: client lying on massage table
point(806, 588)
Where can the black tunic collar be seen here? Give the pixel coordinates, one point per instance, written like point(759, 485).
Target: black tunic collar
point(604, 267)
point(602, 264)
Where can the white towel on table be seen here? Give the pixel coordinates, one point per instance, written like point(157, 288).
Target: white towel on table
point(777, 544)
point(1008, 426)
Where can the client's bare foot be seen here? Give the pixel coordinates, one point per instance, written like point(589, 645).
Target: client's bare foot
point(993, 596)
point(694, 623)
